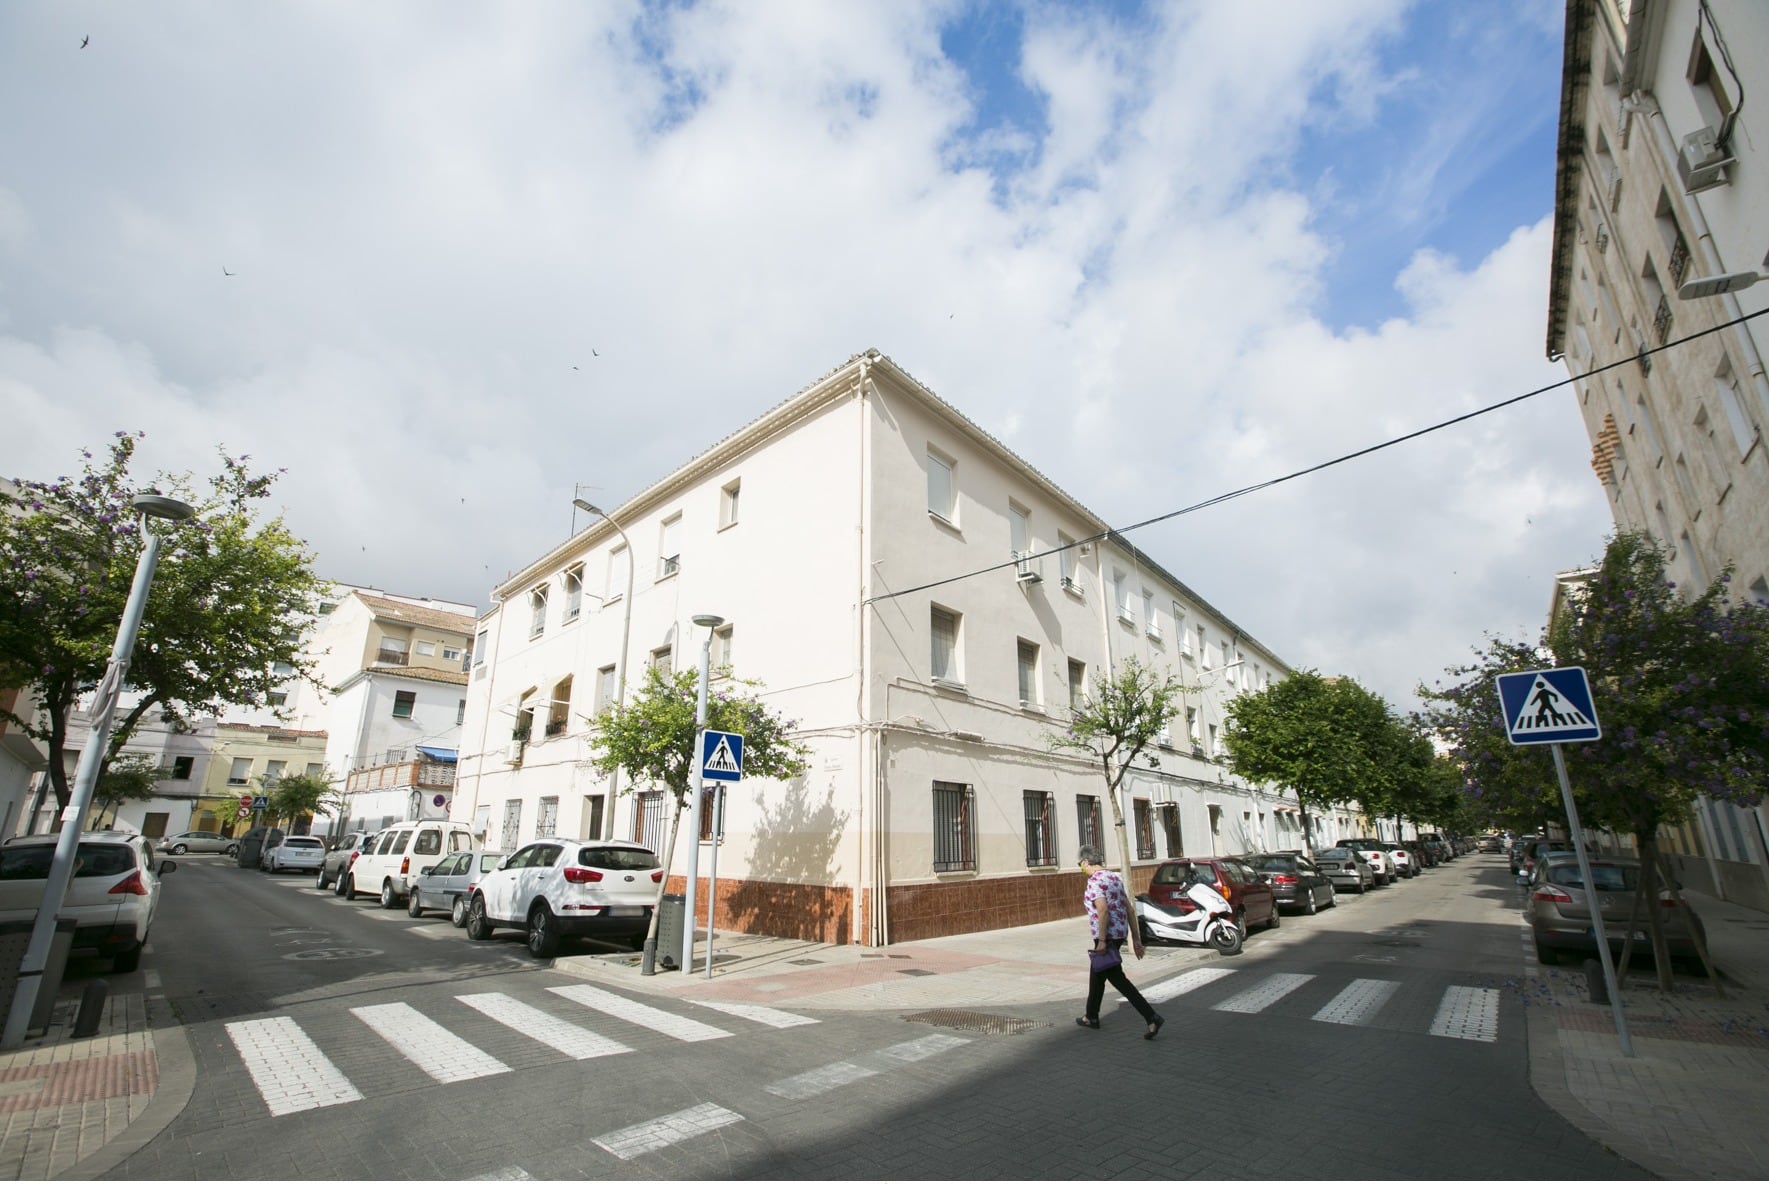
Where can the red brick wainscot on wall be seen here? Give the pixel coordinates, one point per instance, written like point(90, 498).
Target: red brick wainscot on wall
point(976, 905)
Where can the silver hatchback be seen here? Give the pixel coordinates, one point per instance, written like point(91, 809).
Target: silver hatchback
point(1344, 869)
point(1560, 908)
point(447, 884)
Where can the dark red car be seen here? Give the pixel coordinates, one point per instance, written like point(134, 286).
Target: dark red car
point(1254, 900)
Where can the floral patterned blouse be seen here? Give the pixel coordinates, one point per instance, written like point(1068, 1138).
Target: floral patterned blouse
point(1107, 884)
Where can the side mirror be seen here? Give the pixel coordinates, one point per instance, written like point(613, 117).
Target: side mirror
point(166, 865)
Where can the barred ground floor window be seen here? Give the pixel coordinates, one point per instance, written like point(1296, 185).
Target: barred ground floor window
point(1040, 808)
point(954, 843)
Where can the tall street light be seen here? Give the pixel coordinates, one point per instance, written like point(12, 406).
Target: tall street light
point(620, 673)
point(709, 622)
point(61, 867)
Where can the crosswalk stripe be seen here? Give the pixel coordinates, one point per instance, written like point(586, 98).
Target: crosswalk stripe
point(287, 1067)
point(1357, 1002)
point(773, 1017)
point(575, 1042)
point(643, 1014)
point(923, 1048)
point(1185, 983)
point(1468, 1013)
point(633, 1141)
point(1265, 994)
point(820, 1080)
point(427, 1044)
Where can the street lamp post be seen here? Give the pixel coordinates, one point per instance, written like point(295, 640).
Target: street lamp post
point(620, 672)
point(709, 622)
point(61, 867)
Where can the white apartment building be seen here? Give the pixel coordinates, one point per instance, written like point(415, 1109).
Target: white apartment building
point(1659, 184)
point(924, 606)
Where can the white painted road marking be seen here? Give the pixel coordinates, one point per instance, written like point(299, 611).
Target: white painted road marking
point(1265, 994)
point(1359, 1002)
point(289, 1070)
point(923, 1048)
point(427, 1044)
point(575, 1042)
point(634, 1141)
point(773, 1017)
point(643, 1014)
point(1468, 1013)
point(820, 1081)
point(1181, 984)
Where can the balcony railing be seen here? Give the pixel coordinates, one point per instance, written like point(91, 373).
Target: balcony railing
point(391, 658)
point(404, 775)
point(1679, 262)
point(1661, 319)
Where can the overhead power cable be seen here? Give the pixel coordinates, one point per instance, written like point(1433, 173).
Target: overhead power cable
point(1326, 464)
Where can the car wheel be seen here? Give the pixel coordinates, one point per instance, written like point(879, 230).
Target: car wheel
point(1361, 886)
point(127, 961)
point(457, 913)
point(319, 880)
point(232, 851)
point(180, 849)
point(412, 907)
point(1546, 955)
point(1311, 908)
point(1276, 917)
point(543, 932)
point(389, 898)
point(350, 888)
point(1332, 897)
point(479, 926)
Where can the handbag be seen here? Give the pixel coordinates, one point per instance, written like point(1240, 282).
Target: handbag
point(1102, 960)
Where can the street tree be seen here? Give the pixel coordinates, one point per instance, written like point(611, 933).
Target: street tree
point(232, 596)
point(1117, 720)
point(295, 796)
point(1680, 684)
point(1329, 739)
point(651, 739)
point(132, 777)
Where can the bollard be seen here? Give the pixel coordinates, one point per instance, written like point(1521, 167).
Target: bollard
point(91, 1007)
point(1594, 981)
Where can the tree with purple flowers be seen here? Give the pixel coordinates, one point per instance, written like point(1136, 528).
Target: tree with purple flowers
point(232, 596)
point(1681, 687)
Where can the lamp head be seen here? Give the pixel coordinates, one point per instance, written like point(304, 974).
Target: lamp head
point(707, 620)
point(587, 508)
point(169, 508)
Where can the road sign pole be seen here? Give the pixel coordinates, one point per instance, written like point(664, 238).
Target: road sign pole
point(694, 791)
point(1578, 846)
point(712, 874)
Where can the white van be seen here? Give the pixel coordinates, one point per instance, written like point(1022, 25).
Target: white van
point(402, 853)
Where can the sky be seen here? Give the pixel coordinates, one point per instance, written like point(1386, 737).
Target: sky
point(451, 265)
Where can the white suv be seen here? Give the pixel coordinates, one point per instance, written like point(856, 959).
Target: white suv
point(559, 888)
point(402, 853)
point(113, 895)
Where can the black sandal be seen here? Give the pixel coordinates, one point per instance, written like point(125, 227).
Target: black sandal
point(1084, 1022)
point(1154, 1028)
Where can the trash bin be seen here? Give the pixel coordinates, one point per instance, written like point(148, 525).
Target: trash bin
point(669, 931)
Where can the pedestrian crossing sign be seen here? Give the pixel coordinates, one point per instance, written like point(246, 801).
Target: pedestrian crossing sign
point(1548, 706)
point(721, 756)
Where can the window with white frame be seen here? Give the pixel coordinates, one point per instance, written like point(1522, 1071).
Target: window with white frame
point(559, 710)
point(1215, 742)
point(604, 687)
point(1150, 622)
point(547, 824)
point(1191, 727)
point(945, 664)
point(479, 647)
point(669, 546)
point(460, 712)
point(282, 669)
point(942, 487)
point(1028, 669)
point(664, 658)
point(1203, 649)
point(1066, 557)
point(574, 592)
point(273, 772)
point(426, 649)
point(512, 823)
point(1040, 815)
point(618, 560)
point(721, 651)
point(1090, 830)
point(1744, 433)
point(1077, 684)
point(403, 703)
point(1169, 818)
point(276, 698)
point(451, 653)
point(954, 843)
point(537, 604)
point(1019, 521)
point(649, 819)
point(1145, 829)
point(728, 498)
point(1179, 629)
point(1121, 595)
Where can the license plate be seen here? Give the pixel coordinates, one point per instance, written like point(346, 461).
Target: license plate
point(627, 910)
point(1330, 867)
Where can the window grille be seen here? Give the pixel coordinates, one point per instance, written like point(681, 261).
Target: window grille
point(1145, 830)
point(954, 844)
point(1040, 830)
point(512, 823)
point(1090, 829)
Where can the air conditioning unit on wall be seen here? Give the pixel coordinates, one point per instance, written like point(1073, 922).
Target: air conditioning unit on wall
point(1702, 161)
point(513, 754)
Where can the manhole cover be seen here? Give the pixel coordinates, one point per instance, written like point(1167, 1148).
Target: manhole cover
point(806, 962)
point(976, 1021)
point(332, 954)
point(917, 973)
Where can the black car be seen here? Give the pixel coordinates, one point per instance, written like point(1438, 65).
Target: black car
point(1296, 882)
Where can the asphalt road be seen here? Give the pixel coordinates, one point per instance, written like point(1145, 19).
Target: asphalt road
point(340, 1041)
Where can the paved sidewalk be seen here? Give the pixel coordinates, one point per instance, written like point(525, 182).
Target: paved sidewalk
point(1689, 1103)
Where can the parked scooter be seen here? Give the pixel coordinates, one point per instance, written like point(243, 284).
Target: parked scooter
point(1210, 921)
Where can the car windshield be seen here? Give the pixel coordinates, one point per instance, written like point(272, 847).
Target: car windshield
point(488, 861)
point(617, 859)
point(1274, 863)
point(1609, 877)
point(298, 841)
point(94, 859)
point(1333, 853)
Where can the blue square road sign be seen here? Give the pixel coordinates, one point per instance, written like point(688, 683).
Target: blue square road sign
point(721, 756)
point(1548, 706)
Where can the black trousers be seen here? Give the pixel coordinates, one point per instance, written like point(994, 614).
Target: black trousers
point(1096, 989)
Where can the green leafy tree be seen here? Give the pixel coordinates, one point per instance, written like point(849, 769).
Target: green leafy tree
point(131, 777)
point(231, 598)
point(1681, 687)
point(1119, 718)
point(295, 796)
point(1329, 739)
point(651, 739)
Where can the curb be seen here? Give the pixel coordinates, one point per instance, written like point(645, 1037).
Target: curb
point(177, 1079)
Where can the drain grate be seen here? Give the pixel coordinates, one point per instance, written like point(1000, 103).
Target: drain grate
point(976, 1021)
point(917, 973)
point(806, 962)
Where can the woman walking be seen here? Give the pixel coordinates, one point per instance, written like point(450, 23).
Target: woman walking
point(1108, 915)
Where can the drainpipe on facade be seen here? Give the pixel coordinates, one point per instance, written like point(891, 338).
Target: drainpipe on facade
point(868, 765)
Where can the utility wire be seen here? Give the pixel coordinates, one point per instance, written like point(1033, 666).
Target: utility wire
point(1327, 464)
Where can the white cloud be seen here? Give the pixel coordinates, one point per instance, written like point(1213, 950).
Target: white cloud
point(435, 213)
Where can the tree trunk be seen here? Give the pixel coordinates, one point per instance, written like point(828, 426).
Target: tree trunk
point(1308, 831)
point(1112, 784)
point(669, 857)
point(1661, 949)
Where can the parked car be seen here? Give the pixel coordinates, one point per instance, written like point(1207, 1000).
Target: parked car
point(448, 883)
point(1344, 869)
point(1424, 858)
point(1534, 850)
point(1517, 848)
point(1402, 859)
point(1490, 844)
point(1254, 898)
point(1296, 882)
point(387, 869)
point(112, 897)
point(1376, 855)
point(339, 858)
point(1445, 850)
point(200, 842)
point(296, 853)
point(560, 888)
point(1560, 909)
